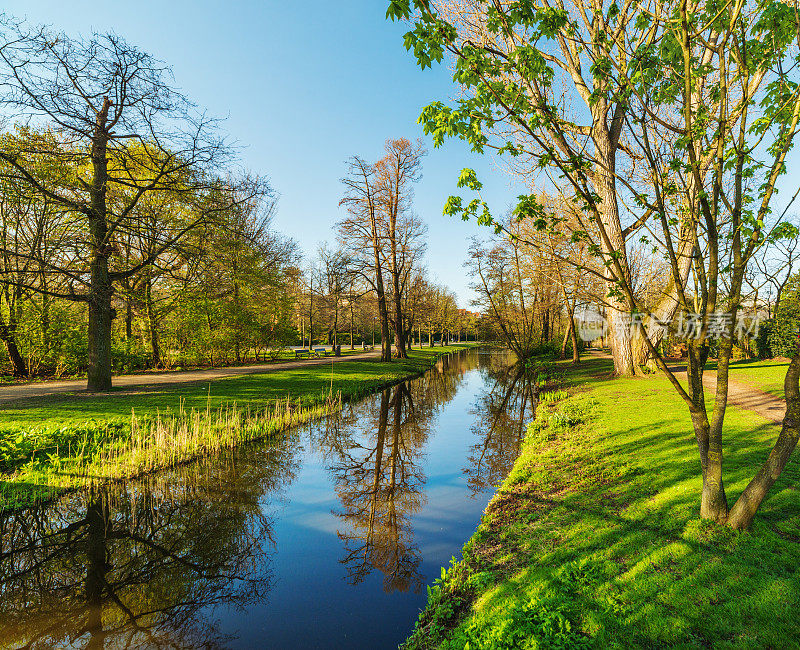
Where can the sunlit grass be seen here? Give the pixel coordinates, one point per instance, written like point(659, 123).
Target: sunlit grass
point(49, 444)
point(594, 539)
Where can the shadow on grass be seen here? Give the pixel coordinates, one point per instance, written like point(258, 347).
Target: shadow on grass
point(603, 530)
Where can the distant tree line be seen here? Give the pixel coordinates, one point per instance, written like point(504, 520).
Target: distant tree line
point(130, 237)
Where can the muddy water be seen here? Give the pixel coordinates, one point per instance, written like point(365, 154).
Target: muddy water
point(325, 538)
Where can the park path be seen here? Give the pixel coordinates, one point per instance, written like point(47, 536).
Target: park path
point(740, 394)
point(150, 379)
point(746, 397)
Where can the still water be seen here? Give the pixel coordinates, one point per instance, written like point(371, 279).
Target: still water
point(325, 538)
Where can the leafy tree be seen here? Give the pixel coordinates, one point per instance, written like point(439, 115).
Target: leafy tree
point(704, 101)
point(121, 132)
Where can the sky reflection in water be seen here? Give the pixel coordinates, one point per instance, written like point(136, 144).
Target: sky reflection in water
point(324, 538)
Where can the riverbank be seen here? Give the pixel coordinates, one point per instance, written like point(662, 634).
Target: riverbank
point(51, 444)
point(593, 540)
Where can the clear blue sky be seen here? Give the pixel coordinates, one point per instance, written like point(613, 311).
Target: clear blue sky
point(304, 85)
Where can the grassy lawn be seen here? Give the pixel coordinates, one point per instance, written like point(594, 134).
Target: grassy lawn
point(594, 538)
point(276, 357)
point(53, 442)
point(764, 374)
point(352, 378)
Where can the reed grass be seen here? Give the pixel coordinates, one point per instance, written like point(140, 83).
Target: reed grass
point(155, 442)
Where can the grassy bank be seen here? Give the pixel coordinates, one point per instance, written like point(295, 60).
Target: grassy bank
point(50, 444)
point(594, 540)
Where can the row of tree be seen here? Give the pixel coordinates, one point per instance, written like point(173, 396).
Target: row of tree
point(130, 238)
point(664, 125)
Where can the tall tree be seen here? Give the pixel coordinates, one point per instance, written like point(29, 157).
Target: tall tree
point(711, 102)
point(396, 172)
point(361, 234)
point(124, 132)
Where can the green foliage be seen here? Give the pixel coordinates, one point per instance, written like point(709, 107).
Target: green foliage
point(39, 446)
point(784, 331)
point(553, 396)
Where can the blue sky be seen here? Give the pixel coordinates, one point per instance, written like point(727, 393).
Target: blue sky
point(304, 85)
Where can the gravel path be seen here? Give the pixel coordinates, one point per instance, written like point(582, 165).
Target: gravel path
point(145, 380)
point(746, 397)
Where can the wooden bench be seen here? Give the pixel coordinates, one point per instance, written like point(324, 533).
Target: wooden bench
point(301, 354)
point(321, 352)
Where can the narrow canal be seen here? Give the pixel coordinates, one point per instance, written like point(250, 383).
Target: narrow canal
point(324, 538)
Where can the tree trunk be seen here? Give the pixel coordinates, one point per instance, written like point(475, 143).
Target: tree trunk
point(101, 313)
point(101, 317)
point(576, 355)
point(352, 345)
point(14, 356)
point(746, 506)
point(619, 326)
point(545, 325)
point(565, 340)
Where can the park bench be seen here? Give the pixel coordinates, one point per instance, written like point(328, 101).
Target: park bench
point(301, 354)
point(321, 352)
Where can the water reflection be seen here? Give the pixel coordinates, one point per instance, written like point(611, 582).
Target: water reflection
point(379, 482)
point(188, 558)
point(503, 408)
point(135, 566)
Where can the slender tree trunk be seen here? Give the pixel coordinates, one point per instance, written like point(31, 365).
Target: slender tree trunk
point(352, 345)
point(44, 325)
point(576, 355)
point(128, 321)
point(746, 506)
point(545, 325)
point(152, 328)
point(564, 341)
point(383, 314)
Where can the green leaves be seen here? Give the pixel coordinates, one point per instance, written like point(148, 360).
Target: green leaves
point(467, 178)
point(398, 10)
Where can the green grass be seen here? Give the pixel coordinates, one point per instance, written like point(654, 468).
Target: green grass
point(352, 378)
point(52, 443)
point(764, 374)
point(594, 539)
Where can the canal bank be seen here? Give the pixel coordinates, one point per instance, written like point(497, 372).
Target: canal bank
point(55, 443)
point(323, 537)
point(594, 539)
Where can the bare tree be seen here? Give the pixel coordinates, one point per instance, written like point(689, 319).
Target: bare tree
point(360, 235)
point(397, 171)
point(123, 132)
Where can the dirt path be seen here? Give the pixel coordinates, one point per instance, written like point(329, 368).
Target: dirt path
point(40, 389)
point(746, 397)
point(740, 394)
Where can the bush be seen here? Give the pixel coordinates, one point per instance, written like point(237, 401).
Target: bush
point(783, 335)
point(763, 348)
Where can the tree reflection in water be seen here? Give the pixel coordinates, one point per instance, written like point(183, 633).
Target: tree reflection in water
point(135, 566)
point(502, 410)
point(144, 564)
point(378, 476)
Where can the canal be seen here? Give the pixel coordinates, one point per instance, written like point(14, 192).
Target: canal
point(324, 538)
